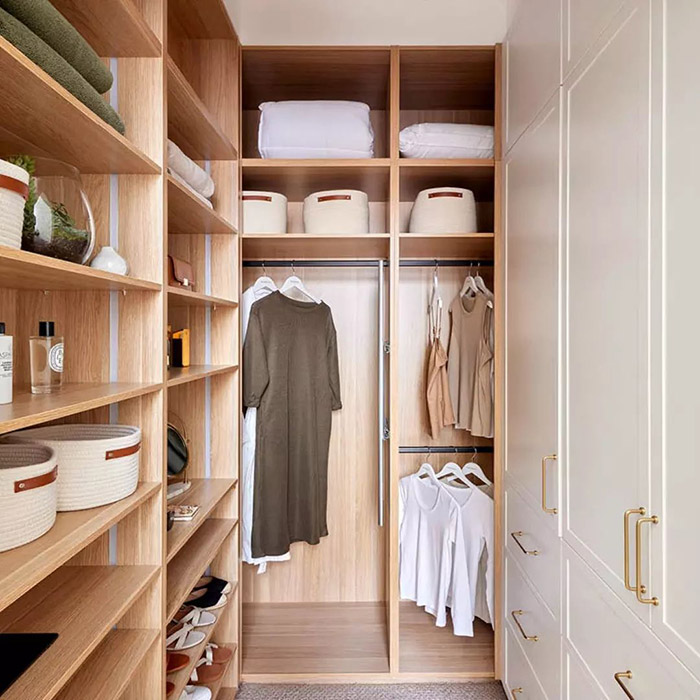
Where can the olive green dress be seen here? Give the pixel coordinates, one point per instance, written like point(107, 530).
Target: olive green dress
point(290, 374)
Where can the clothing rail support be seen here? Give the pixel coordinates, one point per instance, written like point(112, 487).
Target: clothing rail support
point(458, 449)
point(380, 397)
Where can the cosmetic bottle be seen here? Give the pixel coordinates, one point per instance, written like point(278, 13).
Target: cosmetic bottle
point(46, 359)
point(5, 366)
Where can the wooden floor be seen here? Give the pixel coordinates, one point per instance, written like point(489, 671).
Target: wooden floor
point(424, 648)
point(297, 638)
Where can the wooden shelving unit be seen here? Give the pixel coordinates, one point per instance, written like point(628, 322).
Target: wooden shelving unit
point(302, 246)
point(446, 245)
point(203, 120)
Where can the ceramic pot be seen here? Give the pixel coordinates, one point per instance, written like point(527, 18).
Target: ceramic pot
point(108, 260)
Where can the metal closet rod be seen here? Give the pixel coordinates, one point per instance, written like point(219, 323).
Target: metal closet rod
point(461, 449)
point(367, 263)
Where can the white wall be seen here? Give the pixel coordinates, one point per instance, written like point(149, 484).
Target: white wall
point(378, 22)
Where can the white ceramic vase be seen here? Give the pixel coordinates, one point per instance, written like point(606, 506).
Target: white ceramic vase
point(108, 260)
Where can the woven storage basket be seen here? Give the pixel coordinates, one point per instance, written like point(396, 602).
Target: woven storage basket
point(98, 464)
point(444, 210)
point(27, 493)
point(264, 212)
point(337, 212)
point(13, 193)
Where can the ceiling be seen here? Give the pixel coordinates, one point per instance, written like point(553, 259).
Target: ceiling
point(379, 22)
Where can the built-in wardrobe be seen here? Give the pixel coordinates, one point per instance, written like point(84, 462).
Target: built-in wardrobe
point(334, 611)
point(601, 373)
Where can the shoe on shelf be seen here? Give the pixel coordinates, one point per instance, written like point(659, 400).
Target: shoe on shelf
point(206, 599)
point(169, 687)
point(182, 636)
point(211, 583)
point(195, 692)
point(205, 673)
point(194, 616)
point(214, 654)
point(176, 662)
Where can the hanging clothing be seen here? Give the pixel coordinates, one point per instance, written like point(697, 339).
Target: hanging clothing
point(432, 551)
point(262, 287)
point(469, 364)
point(440, 413)
point(290, 373)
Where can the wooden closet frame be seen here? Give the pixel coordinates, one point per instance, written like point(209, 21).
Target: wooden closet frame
point(277, 175)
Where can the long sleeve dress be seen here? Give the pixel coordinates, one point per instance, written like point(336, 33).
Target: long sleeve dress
point(290, 374)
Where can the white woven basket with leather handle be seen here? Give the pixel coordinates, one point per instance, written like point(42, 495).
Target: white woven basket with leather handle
point(27, 493)
point(98, 464)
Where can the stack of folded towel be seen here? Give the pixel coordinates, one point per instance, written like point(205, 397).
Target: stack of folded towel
point(189, 174)
point(45, 36)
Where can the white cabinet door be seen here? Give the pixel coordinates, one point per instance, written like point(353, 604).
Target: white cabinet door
point(606, 236)
point(584, 21)
point(675, 561)
point(532, 63)
point(532, 187)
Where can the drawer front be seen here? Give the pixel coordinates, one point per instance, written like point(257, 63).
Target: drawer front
point(542, 568)
point(612, 640)
point(578, 682)
point(520, 679)
point(543, 648)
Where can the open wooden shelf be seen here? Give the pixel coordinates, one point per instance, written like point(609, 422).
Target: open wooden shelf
point(22, 270)
point(190, 124)
point(302, 246)
point(426, 648)
point(23, 567)
point(31, 409)
point(298, 178)
point(314, 638)
point(111, 27)
point(193, 558)
point(183, 375)
point(447, 245)
point(181, 678)
point(204, 19)
point(178, 296)
point(79, 603)
point(188, 214)
point(40, 116)
point(109, 669)
point(206, 493)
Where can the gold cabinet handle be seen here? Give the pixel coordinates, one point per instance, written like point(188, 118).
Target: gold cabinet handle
point(515, 536)
point(515, 691)
point(626, 529)
point(619, 679)
point(515, 615)
point(546, 459)
point(641, 589)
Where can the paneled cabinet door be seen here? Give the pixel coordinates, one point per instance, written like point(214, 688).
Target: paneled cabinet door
point(606, 236)
point(532, 181)
point(532, 63)
point(675, 561)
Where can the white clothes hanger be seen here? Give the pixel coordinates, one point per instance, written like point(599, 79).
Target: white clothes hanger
point(435, 307)
point(264, 283)
point(294, 288)
point(472, 467)
point(469, 285)
point(454, 472)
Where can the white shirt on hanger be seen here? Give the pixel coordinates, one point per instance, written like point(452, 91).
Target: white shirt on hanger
point(262, 287)
point(433, 567)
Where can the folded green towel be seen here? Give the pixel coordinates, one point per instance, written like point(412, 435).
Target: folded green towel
point(58, 68)
point(50, 25)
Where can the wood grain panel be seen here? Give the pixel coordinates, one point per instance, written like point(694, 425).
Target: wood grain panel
point(348, 565)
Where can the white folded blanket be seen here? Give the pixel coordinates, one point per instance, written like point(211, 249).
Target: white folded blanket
point(446, 141)
point(186, 184)
point(196, 177)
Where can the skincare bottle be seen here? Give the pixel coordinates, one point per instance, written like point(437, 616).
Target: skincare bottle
point(46, 359)
point(5, 366)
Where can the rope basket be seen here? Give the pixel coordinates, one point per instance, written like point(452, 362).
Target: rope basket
point(27, 493)
point(99, 464)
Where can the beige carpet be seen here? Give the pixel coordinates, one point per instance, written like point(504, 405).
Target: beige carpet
point(418, 691)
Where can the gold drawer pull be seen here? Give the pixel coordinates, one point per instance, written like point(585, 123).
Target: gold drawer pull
point(546, 459)
point(618, 678)
point(515, 615)
point(515, 536)
point(516, 691)
point(638, 559)
point(626, 530)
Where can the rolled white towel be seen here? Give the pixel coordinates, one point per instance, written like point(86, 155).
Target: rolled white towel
point(189, 171)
